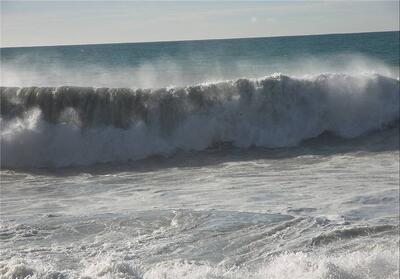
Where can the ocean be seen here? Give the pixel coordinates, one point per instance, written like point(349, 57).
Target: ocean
point(241, 158)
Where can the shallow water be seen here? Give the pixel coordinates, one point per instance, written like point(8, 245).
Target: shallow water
point(310, 211)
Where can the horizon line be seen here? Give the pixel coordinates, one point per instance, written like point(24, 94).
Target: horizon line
point(196, 40)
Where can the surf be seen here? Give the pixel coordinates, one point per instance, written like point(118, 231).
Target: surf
point(72, 126)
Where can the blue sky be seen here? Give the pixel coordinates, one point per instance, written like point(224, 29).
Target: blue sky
point(28, 23)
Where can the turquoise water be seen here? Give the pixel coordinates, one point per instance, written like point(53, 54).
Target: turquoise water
point(183, 63)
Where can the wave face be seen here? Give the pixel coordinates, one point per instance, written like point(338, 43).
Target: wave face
point(68, 126)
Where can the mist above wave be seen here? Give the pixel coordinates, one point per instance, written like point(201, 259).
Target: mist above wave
point(29, 70)
point(64, 126)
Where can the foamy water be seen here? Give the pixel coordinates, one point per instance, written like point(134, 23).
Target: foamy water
point(322, 215)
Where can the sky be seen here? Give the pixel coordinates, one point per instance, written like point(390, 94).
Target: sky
point(33, 23)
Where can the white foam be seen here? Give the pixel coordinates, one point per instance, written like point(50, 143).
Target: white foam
point(369, 264)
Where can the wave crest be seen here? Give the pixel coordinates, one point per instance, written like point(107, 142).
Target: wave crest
point(64, 126)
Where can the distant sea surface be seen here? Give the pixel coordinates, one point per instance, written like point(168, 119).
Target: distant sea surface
point(242, 158)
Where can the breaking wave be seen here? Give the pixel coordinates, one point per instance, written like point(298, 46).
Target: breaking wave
point(375, 263)
point(69, 126)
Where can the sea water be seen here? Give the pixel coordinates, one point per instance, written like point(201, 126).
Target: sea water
point(244, 158)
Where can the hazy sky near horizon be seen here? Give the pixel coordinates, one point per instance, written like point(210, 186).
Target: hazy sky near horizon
point(29, 23)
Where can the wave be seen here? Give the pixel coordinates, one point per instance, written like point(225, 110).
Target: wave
point(369, 263)
point(341, 234)
point(70, 126)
